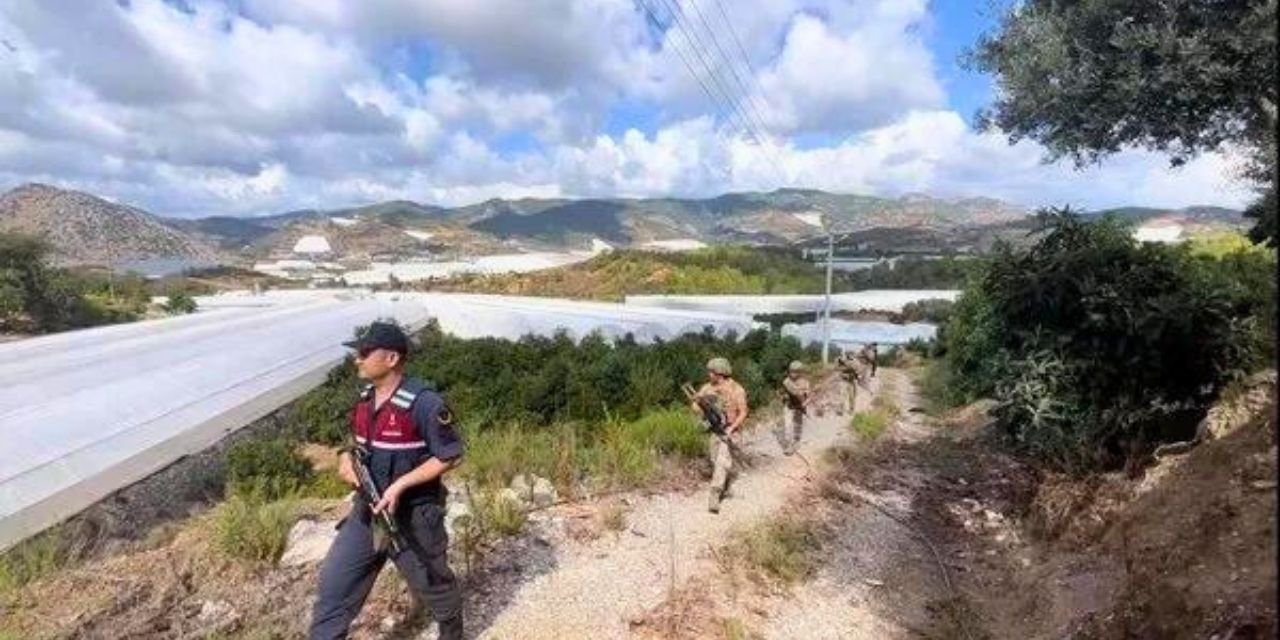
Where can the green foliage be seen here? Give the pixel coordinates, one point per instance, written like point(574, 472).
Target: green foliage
point(914, 273)
point(497, 515)
point(937, 388)
point(934, 310)
point(252, 527)
point(868, 425)
point(36, 297)
point(1097, 349)
point(1092, 77)
point(271, 469)
point(180, 303)
point(32, 559)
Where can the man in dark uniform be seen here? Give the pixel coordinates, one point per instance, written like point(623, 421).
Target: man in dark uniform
point(409, 435)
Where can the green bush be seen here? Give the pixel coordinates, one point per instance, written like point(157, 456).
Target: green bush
point(1097, 349)
point(36, 297)
point(868, 425)
point(934, 310)
point(253, 528)
point(180, 303)
point(269, 468)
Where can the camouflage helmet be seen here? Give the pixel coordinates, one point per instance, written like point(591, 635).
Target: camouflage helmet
point(720, 366)
point(795, 365)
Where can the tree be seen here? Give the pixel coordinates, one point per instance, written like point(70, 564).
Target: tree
point(1087, 78)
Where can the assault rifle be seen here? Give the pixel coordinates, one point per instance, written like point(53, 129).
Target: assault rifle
point(369, 490)
point(713, 418)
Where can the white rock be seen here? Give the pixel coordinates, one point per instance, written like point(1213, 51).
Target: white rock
point(523, 486)
point(455, 510)
point(217, 613)
point(309, 542)
point(512, 495)
point(544, 493)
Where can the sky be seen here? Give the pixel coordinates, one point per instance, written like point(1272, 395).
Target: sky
point(250, 107)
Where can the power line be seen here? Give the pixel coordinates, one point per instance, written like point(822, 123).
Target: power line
point(749, 95)
point(715, 101)
point(704, 56)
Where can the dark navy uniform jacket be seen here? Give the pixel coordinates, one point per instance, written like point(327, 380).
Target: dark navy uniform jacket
point(412, 426)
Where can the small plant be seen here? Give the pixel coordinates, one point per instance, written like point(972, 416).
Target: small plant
point(270, 468)
point(251, 528)
point(779, 549)
point(497, 515)
point(180, 303)
point(613, 516)
point(868, 425)
point(31, 559)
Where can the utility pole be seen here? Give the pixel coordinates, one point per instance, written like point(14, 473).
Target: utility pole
point(826, 308)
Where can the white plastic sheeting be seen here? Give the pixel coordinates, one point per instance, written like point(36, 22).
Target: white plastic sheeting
point(87, 412)
point(473, 316)
point(845, 333)
point(381, 273)
point(888, 300)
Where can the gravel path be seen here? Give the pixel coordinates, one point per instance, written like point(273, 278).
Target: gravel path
point(594, 590)
point(876, 580)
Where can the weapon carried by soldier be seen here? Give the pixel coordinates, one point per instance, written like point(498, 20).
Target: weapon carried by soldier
point(369, 491)
point(713, 419)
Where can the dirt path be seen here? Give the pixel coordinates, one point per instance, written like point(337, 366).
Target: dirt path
point(597, 589)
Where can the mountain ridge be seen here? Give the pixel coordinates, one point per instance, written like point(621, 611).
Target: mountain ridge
point(74, 221)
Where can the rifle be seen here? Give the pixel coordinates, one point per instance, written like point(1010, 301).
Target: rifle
point(369, 490)
point(713, 419)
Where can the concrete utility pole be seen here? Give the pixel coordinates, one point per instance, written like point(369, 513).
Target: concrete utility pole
point(826, 307)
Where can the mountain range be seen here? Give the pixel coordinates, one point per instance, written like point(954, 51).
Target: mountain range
point(83, 228)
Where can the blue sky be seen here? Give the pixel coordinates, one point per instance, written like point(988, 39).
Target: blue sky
point(248, 107)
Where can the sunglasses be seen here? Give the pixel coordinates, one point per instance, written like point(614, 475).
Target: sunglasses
point(363, 353)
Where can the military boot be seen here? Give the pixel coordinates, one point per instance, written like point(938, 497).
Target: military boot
point(713, 501)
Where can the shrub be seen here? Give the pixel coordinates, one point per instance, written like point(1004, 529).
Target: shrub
point(935, 310)
point(270, 468)
point(252, 528)
point(180, 303)
point(1096, 348)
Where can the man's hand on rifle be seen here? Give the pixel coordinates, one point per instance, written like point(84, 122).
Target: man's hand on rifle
point(347, 470)
point(390, 498)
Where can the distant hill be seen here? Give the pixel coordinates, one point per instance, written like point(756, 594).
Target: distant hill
point(85, 229)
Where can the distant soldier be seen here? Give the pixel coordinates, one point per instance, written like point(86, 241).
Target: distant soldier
point(796, 393)
point(732, 400)
point(869, 354)
point(847, 365)
point(404, 442)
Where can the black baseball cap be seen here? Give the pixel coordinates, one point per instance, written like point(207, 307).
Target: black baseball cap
point(381, 335)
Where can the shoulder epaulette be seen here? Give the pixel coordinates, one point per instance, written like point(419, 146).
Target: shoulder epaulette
point(406, 394)
point(366, 392)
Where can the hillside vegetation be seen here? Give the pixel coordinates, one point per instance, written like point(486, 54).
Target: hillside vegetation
point(1097, 348)
point(711, 271)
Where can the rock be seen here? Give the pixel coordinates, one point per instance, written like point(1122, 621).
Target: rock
point(873, 582)
point(217, 614)
point(1263, 485)
point(543, 493)
point(309, 542)
point(523, 486)
point(455, 510)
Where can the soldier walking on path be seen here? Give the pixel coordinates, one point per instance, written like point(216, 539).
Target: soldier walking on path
point(847, 365)
point(796, 393)
point(404, 442)
point(869, 354)
point(732, 400)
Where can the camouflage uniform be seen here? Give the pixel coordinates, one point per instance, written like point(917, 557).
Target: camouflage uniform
point(848, 367)
point(796, 394)
point(732, 399)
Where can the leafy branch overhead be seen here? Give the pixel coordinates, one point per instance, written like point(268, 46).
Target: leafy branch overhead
point(1089, 78)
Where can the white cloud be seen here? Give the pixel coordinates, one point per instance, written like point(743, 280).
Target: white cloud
point(324, 103)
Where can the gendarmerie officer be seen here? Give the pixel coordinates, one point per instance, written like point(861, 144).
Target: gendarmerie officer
point(409, 436)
